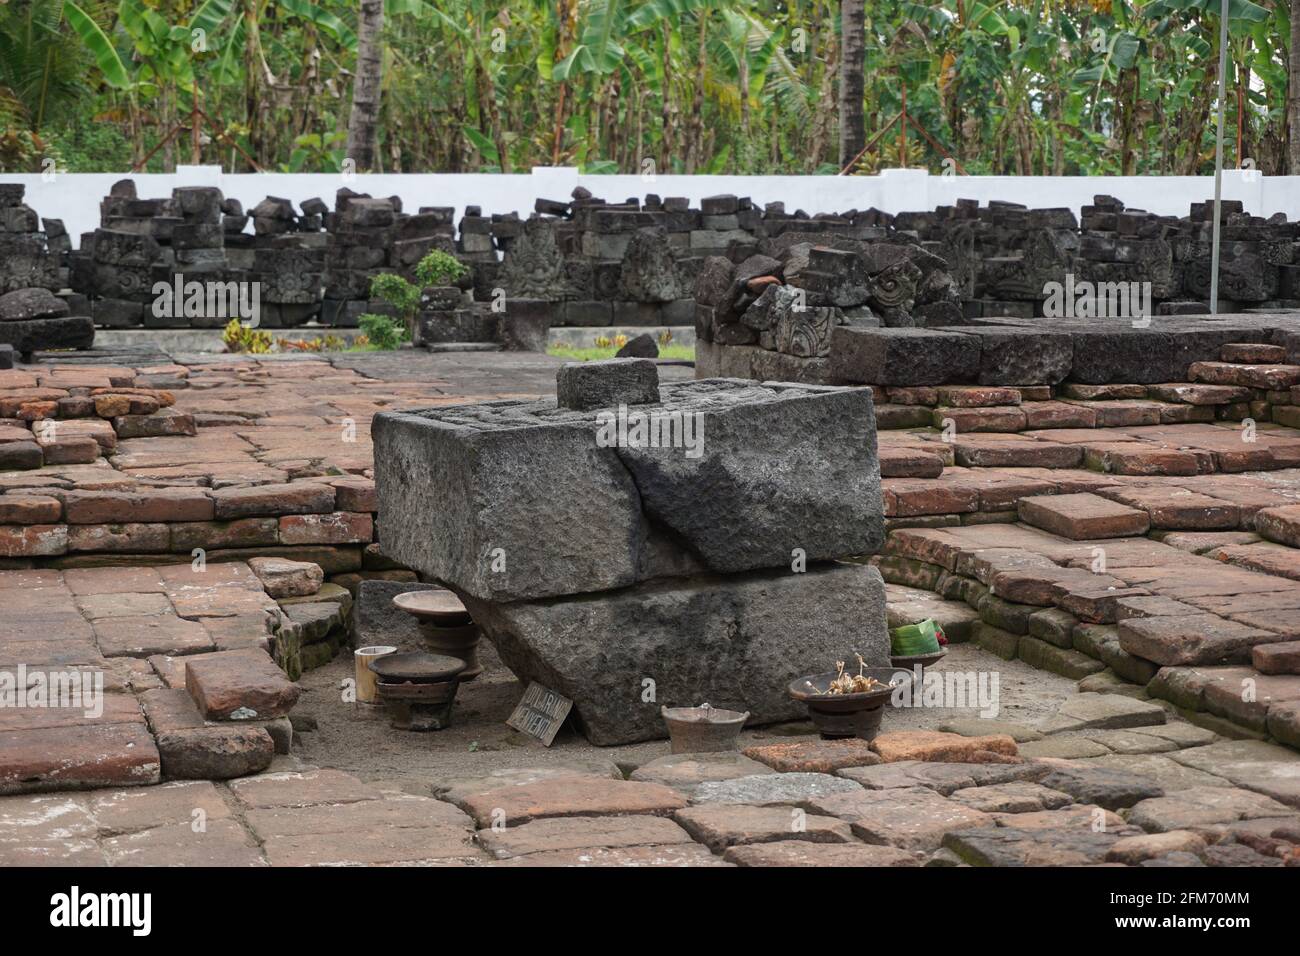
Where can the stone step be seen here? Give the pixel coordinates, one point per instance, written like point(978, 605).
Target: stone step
point(1253, 353)
point(1083, 517)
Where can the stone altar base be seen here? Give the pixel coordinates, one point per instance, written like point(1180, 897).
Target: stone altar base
point(735, 642)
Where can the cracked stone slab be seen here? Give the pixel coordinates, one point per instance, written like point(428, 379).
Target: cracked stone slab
point(1112, 789)
point(722, 825)
point(911, 819)
point(1102, 712)
point(1201, 806)
point(1265, 768)
point(772, 790)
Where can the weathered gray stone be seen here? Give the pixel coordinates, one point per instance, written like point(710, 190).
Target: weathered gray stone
point(31, 335)
point(582, 386)
point(734, 642)
point(773, 468)
point(1111, 789)
point(773, 789)
point(903, 356)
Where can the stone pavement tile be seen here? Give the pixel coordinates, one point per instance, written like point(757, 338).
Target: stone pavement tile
point(1102, 712)
point(97, 606)
point(1138, 849)
point(1112, 789)
point(26, 580)
point(1018, 796)
point(1180, 733)
point(87, 581)
point(1128, 742)
point(457, 790)
point(1232, 854)
point(1190, 639)
point(110, 708)
point(1083, 816)
point(43, 824)
point(140, 505)
point(1066, 748)
point(1167, 774)
point(773, 790)
point(301, 789)
point(721, 826)
point(282, 578)
point(60, 853)
point(128, 810)
point(1265, 557)
point(198, 603)
point(390, 811)
point(239, 685)
point(144, 636)
point(577, 833)
point(804, 853)
point(1199, 542)
point(814, 756)
point(219, 843)
point(685, 772)
point(1007, 846)
point(947, 748)
point(1083, 517)
point(78, 757)
point(912, 819)
point(1196, 807)
point(1262, 767)
point(674, 855)
point(943, 778)
point(981, 727)
point(571, 796)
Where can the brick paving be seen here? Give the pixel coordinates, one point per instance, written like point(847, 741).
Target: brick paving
point(1142, 540)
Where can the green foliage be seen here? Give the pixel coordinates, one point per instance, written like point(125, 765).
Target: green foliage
point(382, 331)
point(726, 86)
point(439, 268)
point(401, 294)
point(241, 338)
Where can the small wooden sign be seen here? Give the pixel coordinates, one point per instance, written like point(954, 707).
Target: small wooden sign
point(540, 713)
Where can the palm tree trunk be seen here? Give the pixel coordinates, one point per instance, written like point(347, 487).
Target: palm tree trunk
point(363, 125)
point(1293, 93)
point(853, 133)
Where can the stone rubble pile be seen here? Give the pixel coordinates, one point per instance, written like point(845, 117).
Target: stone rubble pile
point(710, 576)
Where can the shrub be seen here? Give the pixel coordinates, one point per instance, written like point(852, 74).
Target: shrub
point(382, 331)
point(438, 268)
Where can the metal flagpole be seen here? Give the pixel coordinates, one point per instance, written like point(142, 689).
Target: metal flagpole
point(1218, 159)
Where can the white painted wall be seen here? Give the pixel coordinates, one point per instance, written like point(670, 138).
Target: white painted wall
point(74, 197)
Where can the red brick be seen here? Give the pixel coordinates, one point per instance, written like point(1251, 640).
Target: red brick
point(1139, 458)
point(129, 538)
point(1199, 394)
point(933, 745)
point(1176, 508)
point(1283, 658)
point(1016, 454)
point(140, 505)
point(1190, 639)
point(33, 540)
point(299, 497)
point(1083, 517)
point(991, 419)
point(29, 509)
point(1253, 376)
point(1058, 415)
point(1276, 524)
point(145, 635)
point(1252, 353)
point(341, 527)
point(239, 685)
point(81, 756)
point(1102, 392)
point(567, 796)
point(977, 396)
point(355, 494)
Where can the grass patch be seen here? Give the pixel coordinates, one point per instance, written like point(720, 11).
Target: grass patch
point(593, 353)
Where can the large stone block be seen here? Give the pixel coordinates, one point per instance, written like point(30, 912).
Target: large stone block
point(734, 642)
point(902, 356)
point(32, 335)
point(511, 499)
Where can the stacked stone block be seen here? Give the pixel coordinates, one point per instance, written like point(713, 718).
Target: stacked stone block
point(705, 575)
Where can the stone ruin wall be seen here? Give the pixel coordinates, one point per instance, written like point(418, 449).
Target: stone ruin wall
point(592, 263)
